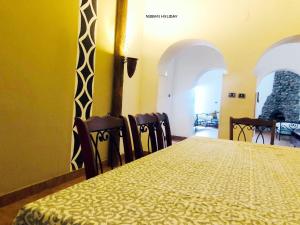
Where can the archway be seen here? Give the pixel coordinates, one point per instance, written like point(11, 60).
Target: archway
point(283, 55)
point(179, 69)
point(278, 87)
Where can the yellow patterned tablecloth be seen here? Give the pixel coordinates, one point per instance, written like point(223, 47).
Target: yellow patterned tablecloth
point(196, 181)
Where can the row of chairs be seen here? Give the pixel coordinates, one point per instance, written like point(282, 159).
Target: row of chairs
point(108, 128)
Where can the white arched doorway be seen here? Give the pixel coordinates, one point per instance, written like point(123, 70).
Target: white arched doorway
point(208, 92)
point(278, 87)
point(179, 69)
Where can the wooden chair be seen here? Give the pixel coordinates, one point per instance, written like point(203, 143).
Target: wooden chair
point(257, 125)
point(165, 126)
point(98, 129)
point(142, 123)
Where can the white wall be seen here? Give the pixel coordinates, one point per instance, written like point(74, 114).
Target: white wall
point(208, 92)
point(182, 76)
point(283, 56)
point(264, 89)
point(165, 94)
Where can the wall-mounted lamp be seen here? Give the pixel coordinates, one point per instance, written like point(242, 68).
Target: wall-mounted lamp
point(131, 64)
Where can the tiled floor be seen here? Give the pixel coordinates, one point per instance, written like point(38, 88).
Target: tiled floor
point(206, 132)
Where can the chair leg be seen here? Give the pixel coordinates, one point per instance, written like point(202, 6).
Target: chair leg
point(117, 149)
point(110, 149)
point(98, 159)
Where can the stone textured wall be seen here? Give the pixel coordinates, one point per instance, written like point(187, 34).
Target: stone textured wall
point(284, 97)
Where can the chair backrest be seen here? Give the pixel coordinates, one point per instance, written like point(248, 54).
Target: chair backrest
point(165, 125)
point(142, 123)
point(98, 129)
point(258, 125)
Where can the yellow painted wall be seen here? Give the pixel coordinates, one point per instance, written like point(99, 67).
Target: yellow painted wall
point(241, 30)
point(133, 48)
point(104, 61)
point(37, 69)
point(37, 78)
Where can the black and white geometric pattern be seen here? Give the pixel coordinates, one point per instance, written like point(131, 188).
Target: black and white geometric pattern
point(84, 73)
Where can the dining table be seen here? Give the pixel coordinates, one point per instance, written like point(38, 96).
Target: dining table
point(194, 181)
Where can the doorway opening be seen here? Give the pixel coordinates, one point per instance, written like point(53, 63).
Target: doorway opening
point(207, 103)
point(278, 89)
point(181, 68)
point(278, 99)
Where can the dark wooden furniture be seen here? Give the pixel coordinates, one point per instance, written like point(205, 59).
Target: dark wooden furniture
point(295, 138)
point(258, 125)
point(166, 129)
point(146, 123)
point(206, 120)
point(98, 129)
point(286, 128)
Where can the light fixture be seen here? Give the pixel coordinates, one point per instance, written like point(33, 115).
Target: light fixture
point(131, 64)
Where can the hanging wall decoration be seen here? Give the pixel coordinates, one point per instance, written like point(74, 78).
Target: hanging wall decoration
point(84, 73)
